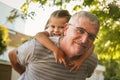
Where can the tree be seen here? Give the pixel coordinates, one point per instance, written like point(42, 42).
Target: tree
point(108, 43)
point(3, 39)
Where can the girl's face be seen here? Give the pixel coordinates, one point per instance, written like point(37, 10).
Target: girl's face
point(56, 26)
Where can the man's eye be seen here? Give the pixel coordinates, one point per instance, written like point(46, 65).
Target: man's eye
point(92, 37)
point(81, 31)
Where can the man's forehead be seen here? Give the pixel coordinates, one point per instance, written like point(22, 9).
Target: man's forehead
point(86, 24)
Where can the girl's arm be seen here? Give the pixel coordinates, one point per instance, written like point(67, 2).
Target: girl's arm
point(43, 38)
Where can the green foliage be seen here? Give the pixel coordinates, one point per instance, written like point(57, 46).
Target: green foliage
point(58, 2)
point(3, 39)
point(13, 16)
point(77, 7)
point(108, 42)
point(113, 8)
point(87, 2)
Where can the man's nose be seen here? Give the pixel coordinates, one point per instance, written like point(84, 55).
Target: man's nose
point(85, 38)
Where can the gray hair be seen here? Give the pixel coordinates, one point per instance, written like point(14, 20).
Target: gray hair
point(91, 17)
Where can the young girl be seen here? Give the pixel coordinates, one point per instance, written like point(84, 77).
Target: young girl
point(55, 27)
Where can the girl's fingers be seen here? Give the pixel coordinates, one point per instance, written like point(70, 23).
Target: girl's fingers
point(64, 62)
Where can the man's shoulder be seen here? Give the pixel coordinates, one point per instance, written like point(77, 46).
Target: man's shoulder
point(28, 43)
point(93, 55)
point(55, 39)
point(93, 58)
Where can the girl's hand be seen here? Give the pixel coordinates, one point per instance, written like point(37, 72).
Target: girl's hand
point(75, 64)
point(59, 56)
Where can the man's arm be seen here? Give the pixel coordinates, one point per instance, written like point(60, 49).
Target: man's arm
point(14, 62)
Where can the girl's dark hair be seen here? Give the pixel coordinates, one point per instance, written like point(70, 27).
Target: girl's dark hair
point(59, 14)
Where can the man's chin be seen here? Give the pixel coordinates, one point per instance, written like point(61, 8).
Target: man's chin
point(80, 53)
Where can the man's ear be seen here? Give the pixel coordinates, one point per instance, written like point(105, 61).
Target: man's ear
point(65, 28)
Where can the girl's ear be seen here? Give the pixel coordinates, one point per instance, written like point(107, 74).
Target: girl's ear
point(65, 28)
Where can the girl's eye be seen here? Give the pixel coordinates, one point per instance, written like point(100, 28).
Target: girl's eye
point(61, 27)
point(52, 26)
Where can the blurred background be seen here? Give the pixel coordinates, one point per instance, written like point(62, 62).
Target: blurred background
point(20, 20)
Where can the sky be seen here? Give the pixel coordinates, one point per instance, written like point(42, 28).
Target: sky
point(40, 19)
point(14, 3)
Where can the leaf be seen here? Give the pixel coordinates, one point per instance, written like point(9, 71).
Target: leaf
point(3, 39)
point(77, 7)
point(87, 2)
point(114, 11)
point(35, 1)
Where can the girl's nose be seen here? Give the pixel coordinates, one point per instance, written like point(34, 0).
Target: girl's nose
point(56, 30)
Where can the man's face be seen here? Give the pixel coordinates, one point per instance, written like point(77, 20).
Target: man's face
point(80, 36)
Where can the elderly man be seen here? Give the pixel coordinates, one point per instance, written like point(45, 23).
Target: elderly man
point(79, 35)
